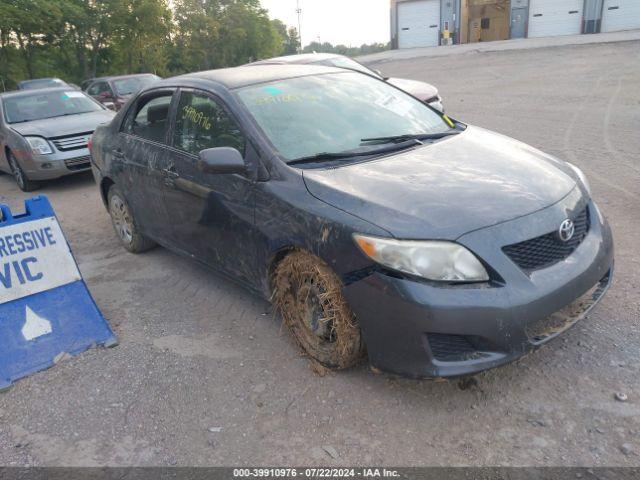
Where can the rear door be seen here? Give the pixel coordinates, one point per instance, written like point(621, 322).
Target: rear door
point(212, 215)
point(102, 92)
point(143, 156)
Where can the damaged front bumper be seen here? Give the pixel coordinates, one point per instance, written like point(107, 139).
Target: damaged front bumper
point(421, 329)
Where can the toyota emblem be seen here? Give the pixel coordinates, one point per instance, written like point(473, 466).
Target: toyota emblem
point(566, 230)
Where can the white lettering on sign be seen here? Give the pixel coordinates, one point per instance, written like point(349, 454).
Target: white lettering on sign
point(35, 326)
point(34, 257)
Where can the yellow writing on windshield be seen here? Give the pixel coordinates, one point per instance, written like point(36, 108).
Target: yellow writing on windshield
point(199, 118)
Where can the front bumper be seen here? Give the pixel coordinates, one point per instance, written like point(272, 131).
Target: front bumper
point(57, 164)
point(422, 329)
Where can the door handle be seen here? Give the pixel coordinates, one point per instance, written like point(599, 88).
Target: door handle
point(170, 172)
point(170, 175)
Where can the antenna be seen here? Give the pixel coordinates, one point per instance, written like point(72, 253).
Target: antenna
point(299, 11)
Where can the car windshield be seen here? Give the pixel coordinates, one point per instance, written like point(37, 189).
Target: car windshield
point(307, 116)
point(127, 86)
point(41, 105)
point(43, 83)
point(345, 62)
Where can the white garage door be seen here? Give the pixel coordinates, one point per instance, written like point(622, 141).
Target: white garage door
point(620, 15)
point(548, 18)
point(419, 23)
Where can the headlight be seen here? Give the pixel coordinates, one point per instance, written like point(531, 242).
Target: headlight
point(582, 177)
point(433, 260)
point(39, 145)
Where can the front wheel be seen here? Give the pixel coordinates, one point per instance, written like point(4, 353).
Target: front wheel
point(20, 177)
point(308, 294)
point(124, 223)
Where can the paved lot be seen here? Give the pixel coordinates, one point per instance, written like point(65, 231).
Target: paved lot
point(205, 376)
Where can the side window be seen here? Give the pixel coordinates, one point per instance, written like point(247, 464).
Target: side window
point(201, 123)
point(95, 89)
point(150, 119)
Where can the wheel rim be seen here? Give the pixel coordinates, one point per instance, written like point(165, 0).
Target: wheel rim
point(17, 173)
point(319, 328)
point(122, 220)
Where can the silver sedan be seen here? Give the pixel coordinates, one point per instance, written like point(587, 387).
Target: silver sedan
point(44, 133)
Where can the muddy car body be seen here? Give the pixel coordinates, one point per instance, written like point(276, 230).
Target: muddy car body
point(439, 251)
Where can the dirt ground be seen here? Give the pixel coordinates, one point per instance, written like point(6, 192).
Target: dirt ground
point(204, 375)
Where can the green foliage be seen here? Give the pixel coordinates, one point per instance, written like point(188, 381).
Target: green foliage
point(327, 47)
point(80, 39)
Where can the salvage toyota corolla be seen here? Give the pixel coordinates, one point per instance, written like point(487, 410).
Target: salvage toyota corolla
point(373, 222)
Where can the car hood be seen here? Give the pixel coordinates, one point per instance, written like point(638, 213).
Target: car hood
point(60, 126)
point(446, 189)
point(423, 91)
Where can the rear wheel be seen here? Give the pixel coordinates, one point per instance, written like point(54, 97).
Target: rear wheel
point(308, 294)
point(124, 223)
point(20, 177)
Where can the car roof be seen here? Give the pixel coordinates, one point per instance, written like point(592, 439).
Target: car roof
point(119, 77)
point(244, 76)
point(30, 80)
point(302, 59)
point(28, 93)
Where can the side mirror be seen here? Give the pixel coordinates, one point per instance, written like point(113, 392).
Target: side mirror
point(221, 160)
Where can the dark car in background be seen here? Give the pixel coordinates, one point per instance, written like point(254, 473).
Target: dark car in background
point(38, 83)
point(367, 217)
point(114, 92)
point(44, 133)
point(421, 90)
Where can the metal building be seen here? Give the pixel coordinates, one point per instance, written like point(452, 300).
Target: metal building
point(425, 23)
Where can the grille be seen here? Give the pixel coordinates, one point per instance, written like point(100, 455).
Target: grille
point(79, 163)
point(71, 142)
point(546, 250)
point(452, 348)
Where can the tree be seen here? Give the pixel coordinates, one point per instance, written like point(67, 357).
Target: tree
point(31, 23)
point(291, 39)
point(141, 39)
point(79, 39)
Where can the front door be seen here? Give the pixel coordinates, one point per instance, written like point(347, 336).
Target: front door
point(211, 215)
point(141, 156)
point(518, 22)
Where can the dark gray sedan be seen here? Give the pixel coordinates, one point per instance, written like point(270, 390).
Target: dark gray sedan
point(44, 133)
point(374, 223)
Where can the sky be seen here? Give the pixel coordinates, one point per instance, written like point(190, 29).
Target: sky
point(348, 22)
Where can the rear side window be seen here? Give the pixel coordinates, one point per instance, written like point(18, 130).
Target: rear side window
point(150, 119)
point(98, 88)
point(201, 123)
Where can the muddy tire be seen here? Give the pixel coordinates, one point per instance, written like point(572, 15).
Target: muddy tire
point(308, 295)
point(19, 176)
point(125, 224)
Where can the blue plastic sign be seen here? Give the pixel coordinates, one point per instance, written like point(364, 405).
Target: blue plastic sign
point(46, 310)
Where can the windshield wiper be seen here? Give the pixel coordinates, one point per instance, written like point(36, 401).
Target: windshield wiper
point(411, 142)
point(404, 138)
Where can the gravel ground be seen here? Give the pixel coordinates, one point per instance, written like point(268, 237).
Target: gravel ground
point(204, 375)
